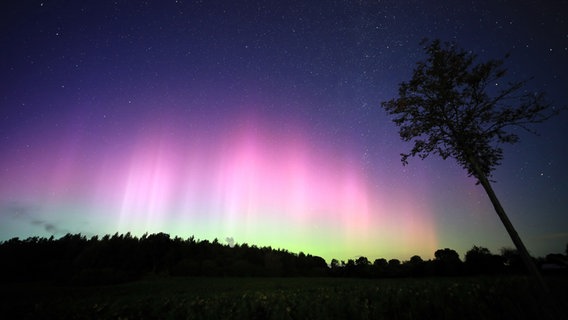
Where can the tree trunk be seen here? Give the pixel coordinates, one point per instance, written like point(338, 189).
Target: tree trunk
point(527, 260)
point(546, 299)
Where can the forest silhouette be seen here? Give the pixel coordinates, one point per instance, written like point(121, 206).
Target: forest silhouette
point(75, 259)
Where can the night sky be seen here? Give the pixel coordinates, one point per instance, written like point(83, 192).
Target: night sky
point(259, 122)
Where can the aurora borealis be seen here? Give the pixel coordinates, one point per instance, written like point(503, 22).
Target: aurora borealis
point(259, 122)
point(240, 180)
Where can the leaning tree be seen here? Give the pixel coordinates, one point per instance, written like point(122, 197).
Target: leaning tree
point(452, 108)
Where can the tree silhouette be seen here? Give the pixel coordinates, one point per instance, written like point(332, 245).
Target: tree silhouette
point(481, 260)
point(416, 266)
point(452, 107)
point(76, 260)
point(363, 267)
point(380, 267)
point(447, 262)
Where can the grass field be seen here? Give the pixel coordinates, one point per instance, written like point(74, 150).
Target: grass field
point(283, 298)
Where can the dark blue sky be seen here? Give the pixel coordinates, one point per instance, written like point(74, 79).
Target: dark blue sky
point(83, 80)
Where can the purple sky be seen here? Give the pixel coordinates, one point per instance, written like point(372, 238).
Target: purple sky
point(261, 121)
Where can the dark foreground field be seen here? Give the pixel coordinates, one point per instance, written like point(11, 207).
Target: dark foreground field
point(283, 298)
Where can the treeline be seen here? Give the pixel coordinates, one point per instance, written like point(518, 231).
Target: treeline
point(76, 259)
point(478, 261)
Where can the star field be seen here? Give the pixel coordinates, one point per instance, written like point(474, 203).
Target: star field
point(260, 121)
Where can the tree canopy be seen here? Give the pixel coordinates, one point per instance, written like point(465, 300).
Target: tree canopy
point(457, 107)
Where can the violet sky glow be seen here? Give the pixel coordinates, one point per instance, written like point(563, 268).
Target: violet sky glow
point(260, 122)
point(240, 180)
